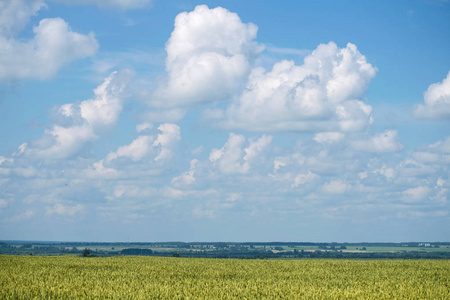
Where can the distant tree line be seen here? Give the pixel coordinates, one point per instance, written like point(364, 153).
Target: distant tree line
point(231, 250)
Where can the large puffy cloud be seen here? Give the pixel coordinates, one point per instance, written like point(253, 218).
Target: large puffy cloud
point(80, 123)
point(437, 101)
point(209, 56)
point(53, 45)
point(323, 94)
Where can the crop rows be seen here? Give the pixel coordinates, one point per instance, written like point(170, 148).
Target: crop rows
point(72, 277)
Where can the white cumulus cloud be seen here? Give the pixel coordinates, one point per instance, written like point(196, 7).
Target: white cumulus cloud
point(209, 57)
point(104, 109)
point(437, 101)
point(324, 94)
point(83, 121)
point(54, 44)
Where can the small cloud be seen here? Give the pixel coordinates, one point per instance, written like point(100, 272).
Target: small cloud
point(437, 101)
point(21, 149)
point(388, 141)
point(98, 170)
point(186, 178)
point(336, 187)
point(362, 175)
point(423, 214)
point(328, 137)
point(31, 198)
point(417, 194)
point(201, 212)
point(83, 120)
point(170, 134)
point(5, 160)
point(3, 203)
point(198, 150)
point(163, 115)
point(103, 66)
point(389, 173)
point(302, 179)
point(129, 22)
point(62, 210)
point(231, 159)
point(20, 217)
point(233, 197)
point(138, 149)
point(143, 127)
point(53, 45)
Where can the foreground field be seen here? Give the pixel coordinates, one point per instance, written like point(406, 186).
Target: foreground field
point(72, 277)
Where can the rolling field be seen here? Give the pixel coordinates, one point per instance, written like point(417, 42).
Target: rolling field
point(72, 277)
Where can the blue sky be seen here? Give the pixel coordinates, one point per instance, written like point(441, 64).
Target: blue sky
point(151, 120)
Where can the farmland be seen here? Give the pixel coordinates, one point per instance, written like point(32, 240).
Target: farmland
point(289, 250)
point(126, 277)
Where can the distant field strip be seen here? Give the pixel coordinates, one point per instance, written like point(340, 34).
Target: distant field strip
point(72, 277)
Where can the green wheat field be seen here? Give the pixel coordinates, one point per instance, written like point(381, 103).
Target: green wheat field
point(73, 277)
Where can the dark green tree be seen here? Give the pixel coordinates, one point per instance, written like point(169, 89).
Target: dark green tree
point(86, 253)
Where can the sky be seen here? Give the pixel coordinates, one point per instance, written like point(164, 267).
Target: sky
point(151, 120)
